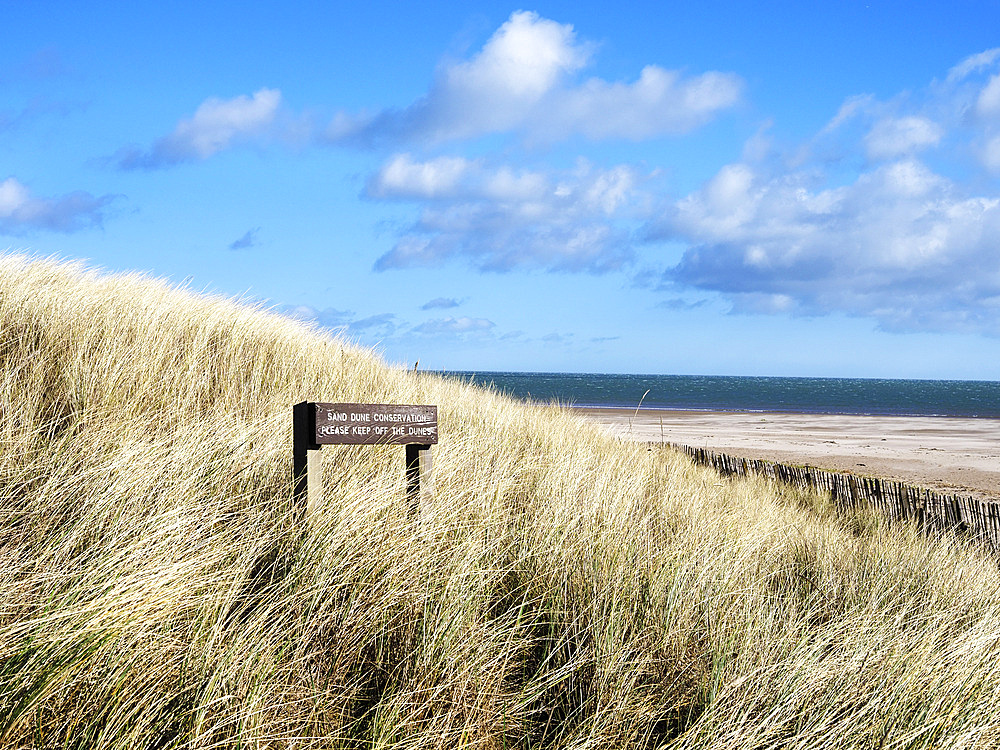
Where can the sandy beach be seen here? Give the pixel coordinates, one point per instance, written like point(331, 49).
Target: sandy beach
point(946, 454)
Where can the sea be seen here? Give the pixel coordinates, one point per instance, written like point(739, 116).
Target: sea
point(932, 398)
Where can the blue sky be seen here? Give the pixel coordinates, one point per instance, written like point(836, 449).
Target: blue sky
point(773, 188)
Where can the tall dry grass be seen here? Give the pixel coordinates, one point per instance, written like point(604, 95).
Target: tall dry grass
point(159, 589)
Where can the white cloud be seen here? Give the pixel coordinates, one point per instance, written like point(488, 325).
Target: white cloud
point(956, 116)
point(216, 125)
point(911, 247)
point(892, 137)
point(20, 210)
point(852, 107)
point(498, 218)
point(521, 82)
point(974, 64)
point(661, 102)
point(403, 177)
point(495, 91)
point(523, 61)
point(988, 103)
point(991, 153)
point(14, 199)
point(450, 178)
point(900, 244)
point(804, 232)
point(987, 120)
point(450, 326)
point(524, 81)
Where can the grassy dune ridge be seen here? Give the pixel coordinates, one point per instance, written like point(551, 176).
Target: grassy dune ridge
point(157, 588)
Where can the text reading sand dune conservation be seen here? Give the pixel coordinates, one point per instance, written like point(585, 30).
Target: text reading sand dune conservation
point(376, 424)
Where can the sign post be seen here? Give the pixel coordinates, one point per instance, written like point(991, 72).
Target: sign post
point(418, 463)
point(317, 424)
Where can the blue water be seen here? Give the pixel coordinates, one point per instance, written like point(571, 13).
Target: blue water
point(945, 398)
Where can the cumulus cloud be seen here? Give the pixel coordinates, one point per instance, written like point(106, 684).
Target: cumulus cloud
point(892, 137)
point(854, 220)
point(660, 102)
point(958, 116)
point(217, 124)
point(900, 244)
point(911, 246)
point(524, 80)
point(498, 218)
point(403, 177)
point(20, 210)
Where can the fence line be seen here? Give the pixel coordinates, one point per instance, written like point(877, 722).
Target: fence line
point(899, 501)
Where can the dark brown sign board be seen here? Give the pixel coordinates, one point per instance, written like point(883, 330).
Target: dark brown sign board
point(375, 424)
point(317, 424)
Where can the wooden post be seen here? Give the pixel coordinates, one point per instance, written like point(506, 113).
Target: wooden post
point(305, 457)
point(418, 463)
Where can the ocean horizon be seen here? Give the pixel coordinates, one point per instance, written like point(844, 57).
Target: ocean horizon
point(809, 395)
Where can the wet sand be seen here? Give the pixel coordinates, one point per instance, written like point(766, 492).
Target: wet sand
point(946, 454)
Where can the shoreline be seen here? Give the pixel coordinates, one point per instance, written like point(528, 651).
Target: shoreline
point(950, 455)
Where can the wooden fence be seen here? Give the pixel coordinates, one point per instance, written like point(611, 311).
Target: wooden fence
point(933, 511)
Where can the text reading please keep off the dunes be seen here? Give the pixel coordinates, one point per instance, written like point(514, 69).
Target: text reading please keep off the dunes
point(376, 424)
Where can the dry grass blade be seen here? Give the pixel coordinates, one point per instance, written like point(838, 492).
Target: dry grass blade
point(560, 590)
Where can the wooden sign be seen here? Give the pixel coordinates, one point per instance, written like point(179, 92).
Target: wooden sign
point(375, 424)
point(317, 424)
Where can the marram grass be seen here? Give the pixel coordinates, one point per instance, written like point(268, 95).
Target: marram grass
point(159, 589)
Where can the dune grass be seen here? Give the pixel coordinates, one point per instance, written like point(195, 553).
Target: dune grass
point(159, 589)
